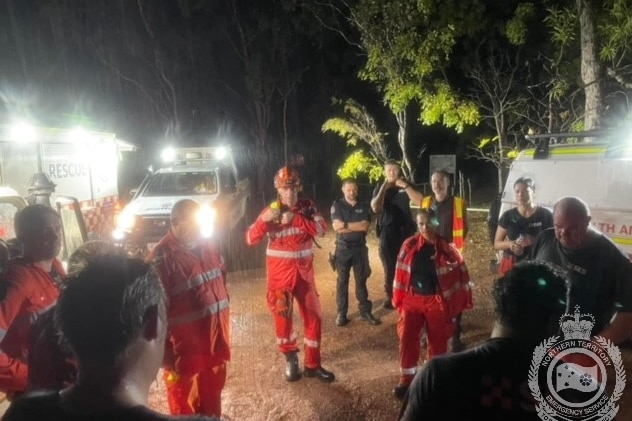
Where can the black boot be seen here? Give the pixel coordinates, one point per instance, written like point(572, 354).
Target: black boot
point(320, 373)
point(292, 372)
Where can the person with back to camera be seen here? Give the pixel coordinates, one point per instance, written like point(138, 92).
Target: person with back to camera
point(489, 382)
point(431, 288)
point(30, 285)
point(451, 212)
point(291, 223)
point(113, 315)
point(351, 219)
point(391, 202)
point(599, 272)
point(519, 227)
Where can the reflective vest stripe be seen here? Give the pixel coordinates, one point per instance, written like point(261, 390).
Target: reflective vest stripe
point(199, 314)
point(289, 254)
point(212, 275)
point(458, 224)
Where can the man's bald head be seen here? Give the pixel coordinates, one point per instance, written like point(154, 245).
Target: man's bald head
point(571, 219)
point(184, 222)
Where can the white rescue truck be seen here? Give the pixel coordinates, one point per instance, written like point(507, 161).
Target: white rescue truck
point(207, 175)
point(82, 164)
point(73, 170)
point(600, 173)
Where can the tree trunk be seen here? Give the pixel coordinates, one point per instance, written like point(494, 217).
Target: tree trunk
point(401, 140)
point(590, 66)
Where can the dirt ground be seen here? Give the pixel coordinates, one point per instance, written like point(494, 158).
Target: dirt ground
point(363, 357)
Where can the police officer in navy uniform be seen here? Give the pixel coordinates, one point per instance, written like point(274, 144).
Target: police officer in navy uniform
point(351, 219)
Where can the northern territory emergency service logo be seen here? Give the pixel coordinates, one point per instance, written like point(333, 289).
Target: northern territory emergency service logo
point(568, 377)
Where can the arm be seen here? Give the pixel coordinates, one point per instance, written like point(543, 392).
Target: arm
point(13, 372)
point(360, 226)
point(259, 228)
point(502, 243)
point(377, 203)
point(315, 224)
point(414, 195)
point(619, 329)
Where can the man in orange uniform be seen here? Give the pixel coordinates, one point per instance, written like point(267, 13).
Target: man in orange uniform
point(29, 287)
point(198, 346)
point(291, 225)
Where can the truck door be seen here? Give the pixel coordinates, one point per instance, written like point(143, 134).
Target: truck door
point(73, 226)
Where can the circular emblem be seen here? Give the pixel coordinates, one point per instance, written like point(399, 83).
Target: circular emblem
point(568, 376)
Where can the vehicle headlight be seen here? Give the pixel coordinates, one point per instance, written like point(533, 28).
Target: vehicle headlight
point(206, 220)
point(126, 220)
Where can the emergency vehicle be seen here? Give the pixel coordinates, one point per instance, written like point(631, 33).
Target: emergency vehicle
point(207, 175)
point(600, 173)
point(81, 164)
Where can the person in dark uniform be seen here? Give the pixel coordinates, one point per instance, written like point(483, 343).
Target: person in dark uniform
point(351, 218)
point(391, 200)
point(599, 272)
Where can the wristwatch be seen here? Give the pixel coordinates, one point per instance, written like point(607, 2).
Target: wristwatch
point(346, 225)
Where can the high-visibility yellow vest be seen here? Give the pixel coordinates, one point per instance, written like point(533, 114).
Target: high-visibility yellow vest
point(458, 220)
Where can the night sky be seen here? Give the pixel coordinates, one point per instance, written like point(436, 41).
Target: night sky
point(189, 72)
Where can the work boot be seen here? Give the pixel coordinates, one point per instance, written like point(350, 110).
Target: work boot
point(342, 320)
point(388, 304)
point(370, 319)
point(292, 372)
point(400, 390)
point(320, 373)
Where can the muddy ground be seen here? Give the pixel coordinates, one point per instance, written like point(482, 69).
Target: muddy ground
point(363, 357)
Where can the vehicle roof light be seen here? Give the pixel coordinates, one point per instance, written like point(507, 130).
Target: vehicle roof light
point(168, 154)
point(221, 153)
point(22, 132)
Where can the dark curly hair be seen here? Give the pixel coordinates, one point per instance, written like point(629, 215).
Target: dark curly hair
point(530, 295)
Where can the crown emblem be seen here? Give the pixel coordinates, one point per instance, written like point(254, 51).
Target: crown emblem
point(576, 325)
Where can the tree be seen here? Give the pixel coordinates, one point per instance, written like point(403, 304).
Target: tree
point(359, 130)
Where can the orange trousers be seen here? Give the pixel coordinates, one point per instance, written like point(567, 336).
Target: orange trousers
point(196, 393)
point(417, 312)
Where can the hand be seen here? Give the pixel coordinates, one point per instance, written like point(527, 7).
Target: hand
point(287, 217)
point(401, 183)
point(516, 248)
point(525, 240)
point(284, 304)
point(337, 225)
point(271, 215)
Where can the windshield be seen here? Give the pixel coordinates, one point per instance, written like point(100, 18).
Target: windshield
point(182, 184)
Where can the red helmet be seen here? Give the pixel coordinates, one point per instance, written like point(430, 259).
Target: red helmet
point(287, 177)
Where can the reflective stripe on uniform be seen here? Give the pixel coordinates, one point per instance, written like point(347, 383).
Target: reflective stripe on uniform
point(408, 371)
point(310, 343)
point(211, 275)
point(398, 285)
point(198, 314)
point(285, 233)
point(403, 266)
point(289, 254)
point(281, 341)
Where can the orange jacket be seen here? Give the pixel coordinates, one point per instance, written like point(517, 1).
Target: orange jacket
point(198, 314)
point(27, 292)
point(459, 222)
point(454, 279)
point(289, 253)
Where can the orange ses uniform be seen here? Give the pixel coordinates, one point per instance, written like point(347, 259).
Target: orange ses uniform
point(289, 260)
point(199, 325)
point(27, 292)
